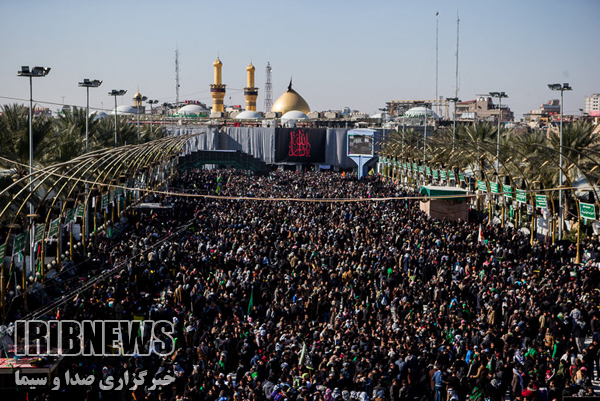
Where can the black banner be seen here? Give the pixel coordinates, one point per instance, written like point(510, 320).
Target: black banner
point(300, 145)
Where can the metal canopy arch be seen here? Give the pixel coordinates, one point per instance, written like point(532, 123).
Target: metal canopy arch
point(65, 180)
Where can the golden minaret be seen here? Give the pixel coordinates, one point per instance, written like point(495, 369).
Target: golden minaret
point(250, 91)
point(217, 90)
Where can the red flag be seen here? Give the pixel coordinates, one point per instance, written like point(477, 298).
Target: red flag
point(480, 237)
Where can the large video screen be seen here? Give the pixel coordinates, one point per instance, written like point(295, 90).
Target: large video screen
point(360, 144)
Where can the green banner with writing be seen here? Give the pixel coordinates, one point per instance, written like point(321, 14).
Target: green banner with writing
point(494, 188)
point(70, 216)
point(541, 201)
point(39, 233)
point(80, 210)
point(53, 228)
point(20, 242)
point(587, 210)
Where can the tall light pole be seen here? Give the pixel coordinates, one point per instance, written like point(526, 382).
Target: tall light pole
point(425, 137)
point(139, 99)
point(151, 103)
point(561, 88)
point(499, 95)
point(116, 93)
point(453, 100)
point(35, 72)
point(87, 84)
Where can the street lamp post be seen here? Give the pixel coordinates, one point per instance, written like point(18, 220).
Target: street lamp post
point(453, 100)
point(139, 99)
point(561, 88)
point(116, 93)
point(151, 103)
point(425, 138)
point(499, 95)
point(35, 72)
point(87, 84)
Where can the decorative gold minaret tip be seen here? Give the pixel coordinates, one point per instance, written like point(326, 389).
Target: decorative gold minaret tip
point(217, 62)
point(250, 91)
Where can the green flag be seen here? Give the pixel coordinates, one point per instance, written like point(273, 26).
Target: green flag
point(251, 303)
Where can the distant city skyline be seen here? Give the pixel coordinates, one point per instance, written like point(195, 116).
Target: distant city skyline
point(340, 54)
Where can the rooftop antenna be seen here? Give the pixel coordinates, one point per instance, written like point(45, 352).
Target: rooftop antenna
point(268, 89)
point(436, 62)
point(456, 78)
point(176, 76)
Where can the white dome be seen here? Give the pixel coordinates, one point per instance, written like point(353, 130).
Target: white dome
point(420, 112)
point(125, 109)
point(192, 109)
point(294, 115)
point(384, 116)
point(99, 115)
point(248, 115)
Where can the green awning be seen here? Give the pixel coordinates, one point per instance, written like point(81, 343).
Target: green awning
point(448, 193)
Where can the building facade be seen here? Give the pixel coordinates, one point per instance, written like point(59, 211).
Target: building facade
point(483, 109)
point(591, 104)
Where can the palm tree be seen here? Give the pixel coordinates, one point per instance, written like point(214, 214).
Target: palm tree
point(580, 147)
point(69, 134)
point(14, 138)
point(104, 135)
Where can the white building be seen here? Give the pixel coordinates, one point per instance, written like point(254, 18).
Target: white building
point(592, 104)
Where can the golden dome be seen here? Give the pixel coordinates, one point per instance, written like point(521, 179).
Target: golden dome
point(217, 62)
point(289, 101)
point(250, 68)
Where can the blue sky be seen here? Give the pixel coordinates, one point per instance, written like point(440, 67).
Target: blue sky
point(351, 53)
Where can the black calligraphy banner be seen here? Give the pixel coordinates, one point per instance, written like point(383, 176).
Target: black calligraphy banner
point(300, 145)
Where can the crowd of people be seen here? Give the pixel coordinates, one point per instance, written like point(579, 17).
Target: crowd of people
point(349, 298)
